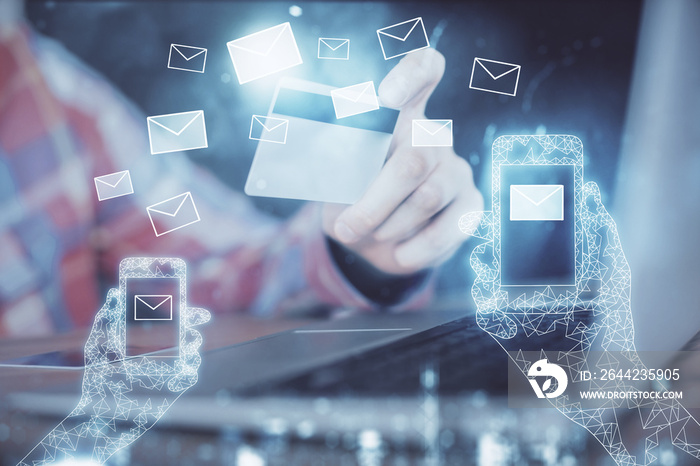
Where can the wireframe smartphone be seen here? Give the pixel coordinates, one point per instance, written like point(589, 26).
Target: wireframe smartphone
point(537, 204)
point(155, 296)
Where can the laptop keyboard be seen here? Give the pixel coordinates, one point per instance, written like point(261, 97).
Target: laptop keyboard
point(462, 354)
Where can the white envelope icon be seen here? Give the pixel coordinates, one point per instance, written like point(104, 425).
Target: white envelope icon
point(263, 53)
point(333, 49)
point(355, 99)
point(113, 185)
point(431, 133)
point(537, 202)
point(177, 131)
point(153, 307)
point(187, 58)
point(173, 214)
point(269, 129)
point(495, 76)
point(402, 38)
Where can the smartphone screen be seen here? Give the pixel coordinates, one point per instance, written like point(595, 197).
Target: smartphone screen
point(152, 315)
point(538, 245)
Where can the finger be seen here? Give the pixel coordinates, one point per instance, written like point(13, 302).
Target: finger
point(439, 239)
point(591, 189)
point(484, 263)
point(477, 224)
point(440, 189)
point(402, 174)
point(605, 265)
point(190, 360)
point(496, 322)
point(412, 80)
point(190, 349)
point(103, 342)
point(197, 316)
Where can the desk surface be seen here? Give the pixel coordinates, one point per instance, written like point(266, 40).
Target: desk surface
point(300, 431)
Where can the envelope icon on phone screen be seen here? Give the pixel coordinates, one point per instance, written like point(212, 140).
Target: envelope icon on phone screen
point(113, 185)
point(402, 38)
point(173, 214)
point(355, 99)
point(333, 49)
point(153, 307)
point(177, 131)
point(431, 133)
point(495, 76)
point(187, 58)
point(537, 202)
point(263, 53)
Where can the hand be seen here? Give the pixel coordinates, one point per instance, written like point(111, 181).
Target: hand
point(109, 416)
point(406, 220)
point(598, 317)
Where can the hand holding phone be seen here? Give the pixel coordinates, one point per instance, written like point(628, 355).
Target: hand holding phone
point(124, 387)
point(552, 280)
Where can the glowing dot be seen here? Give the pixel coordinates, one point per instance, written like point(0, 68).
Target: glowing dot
point(306, 429)
point(246, 456)
point(225, 78)
point(369, 439)
point(295, 11)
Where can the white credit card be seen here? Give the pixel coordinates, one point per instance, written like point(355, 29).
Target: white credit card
point(322, 158)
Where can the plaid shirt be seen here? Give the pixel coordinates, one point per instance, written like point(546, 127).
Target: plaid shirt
point(61, 125)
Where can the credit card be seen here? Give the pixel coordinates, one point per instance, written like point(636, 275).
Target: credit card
point(322, 158)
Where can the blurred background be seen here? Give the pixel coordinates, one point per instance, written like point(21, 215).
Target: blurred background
point(622, 76)
point(576, 60)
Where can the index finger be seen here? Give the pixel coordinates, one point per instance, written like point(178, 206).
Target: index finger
point(412, 80)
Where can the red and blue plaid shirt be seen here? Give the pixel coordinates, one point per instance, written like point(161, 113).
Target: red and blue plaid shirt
point(61, 125)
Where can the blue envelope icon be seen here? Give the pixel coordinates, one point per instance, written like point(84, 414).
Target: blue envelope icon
point(402, 38)
point(187, 58)
point(355, 99)
point(153, 307)
point(537, 202)
point(264, 53)
point(177, 131)
point(264, 128)
point(113, 185)
point(495, 76)
point(173, 214)
point(333, 49)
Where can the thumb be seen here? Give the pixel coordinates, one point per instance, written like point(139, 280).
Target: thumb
point(477, 224)
point(411, 82)
point(197, 316)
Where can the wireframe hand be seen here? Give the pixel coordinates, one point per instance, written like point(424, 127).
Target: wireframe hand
point(584, 328)
point(121, 398)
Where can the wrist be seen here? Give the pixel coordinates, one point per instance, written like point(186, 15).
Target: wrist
point(380, 287)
